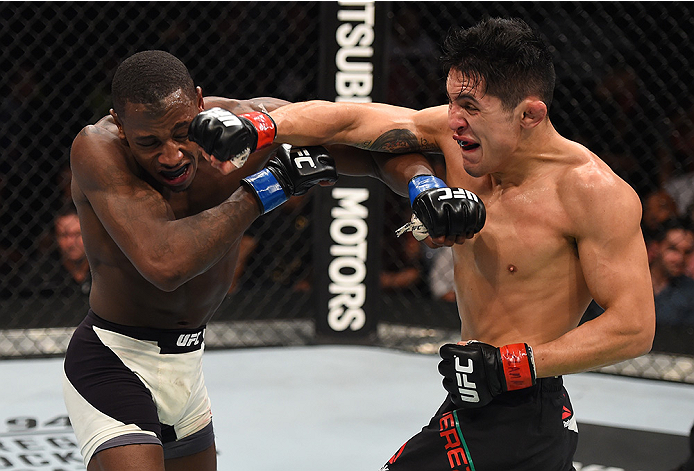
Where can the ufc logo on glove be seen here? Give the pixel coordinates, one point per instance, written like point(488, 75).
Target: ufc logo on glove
point(304, 156)
point(467, 389)
point(457, 193)
point(225, 117)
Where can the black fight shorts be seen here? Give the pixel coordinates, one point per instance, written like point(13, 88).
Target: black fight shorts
point(531, 429)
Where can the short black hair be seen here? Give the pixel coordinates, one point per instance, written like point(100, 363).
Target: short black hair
point(511, 59)
point(149, 77)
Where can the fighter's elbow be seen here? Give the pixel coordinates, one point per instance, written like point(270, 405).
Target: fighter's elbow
point(641, 339)
point(646, 340)
point(164, 276)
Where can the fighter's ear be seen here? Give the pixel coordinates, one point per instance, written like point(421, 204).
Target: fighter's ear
point(119, 125)
point(201, 101)
point(533, 112)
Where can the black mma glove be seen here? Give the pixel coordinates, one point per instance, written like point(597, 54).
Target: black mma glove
point(227, 136)
point(445, 211)
point(291, 173)
point(475, 373)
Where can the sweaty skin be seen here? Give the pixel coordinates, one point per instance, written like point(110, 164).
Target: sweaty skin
point(561, 228)
point(162, 250)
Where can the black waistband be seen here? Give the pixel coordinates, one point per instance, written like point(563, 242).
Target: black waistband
point(553, 385)
point(168, 340)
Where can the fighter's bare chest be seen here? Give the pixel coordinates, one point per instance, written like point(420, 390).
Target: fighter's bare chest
point(523, 235)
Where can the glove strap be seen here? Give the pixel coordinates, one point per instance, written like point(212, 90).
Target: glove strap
point(518, 365)
point(421, 183)
point(265, 125)
point(267, 189)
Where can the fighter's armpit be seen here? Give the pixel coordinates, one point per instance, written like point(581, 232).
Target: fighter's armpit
point(399, 140)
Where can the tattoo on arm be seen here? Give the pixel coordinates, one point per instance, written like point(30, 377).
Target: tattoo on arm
point(398, 140)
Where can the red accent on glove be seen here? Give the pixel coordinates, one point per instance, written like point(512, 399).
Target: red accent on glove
point(263, 122)
point(517, 368)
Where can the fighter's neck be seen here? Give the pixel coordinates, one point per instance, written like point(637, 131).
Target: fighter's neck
point(530, 158)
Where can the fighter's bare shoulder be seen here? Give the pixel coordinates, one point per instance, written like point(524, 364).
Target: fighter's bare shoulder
point(597, 197)
point(98, 154)
point(94, 140)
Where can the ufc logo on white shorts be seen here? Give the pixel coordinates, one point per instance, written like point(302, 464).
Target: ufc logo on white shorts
point(457, 193)
point(467, 389)
point(304, 157)
point(186, 340)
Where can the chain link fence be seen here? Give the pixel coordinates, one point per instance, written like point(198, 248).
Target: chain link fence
point(624, 89)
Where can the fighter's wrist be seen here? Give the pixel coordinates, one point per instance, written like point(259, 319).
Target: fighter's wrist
point(518, 366)
point(420, 183)
point(264, 126)
point(267, 189)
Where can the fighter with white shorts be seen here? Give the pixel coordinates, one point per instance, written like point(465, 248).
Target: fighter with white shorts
point(128, 385)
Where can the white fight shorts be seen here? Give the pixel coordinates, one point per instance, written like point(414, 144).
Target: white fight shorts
point(130, 385)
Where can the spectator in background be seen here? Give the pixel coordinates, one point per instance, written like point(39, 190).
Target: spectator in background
point(658, 207)
point(673, 289)
point(66, 271)
point(689, 222)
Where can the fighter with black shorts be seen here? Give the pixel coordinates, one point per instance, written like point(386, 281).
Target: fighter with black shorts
point(469, 439)
point(559, 229)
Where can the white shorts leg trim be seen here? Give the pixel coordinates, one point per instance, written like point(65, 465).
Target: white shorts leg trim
point(93, 428)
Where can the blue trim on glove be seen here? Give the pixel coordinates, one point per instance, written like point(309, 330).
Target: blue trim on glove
point(270, 193)
point(421, 183)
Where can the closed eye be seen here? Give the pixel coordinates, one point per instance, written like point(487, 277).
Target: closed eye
point(148, 144)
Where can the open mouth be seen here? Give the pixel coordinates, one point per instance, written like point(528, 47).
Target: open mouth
point(176, 176)
point(468, 145)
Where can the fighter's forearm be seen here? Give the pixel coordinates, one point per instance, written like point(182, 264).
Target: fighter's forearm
point(395, 170)
point(314, 123)
point(196, 243)
point(370, 126)
point(602, 341)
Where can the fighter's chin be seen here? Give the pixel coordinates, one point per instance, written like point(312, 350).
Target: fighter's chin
point(473, 170)
point(471, 164)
